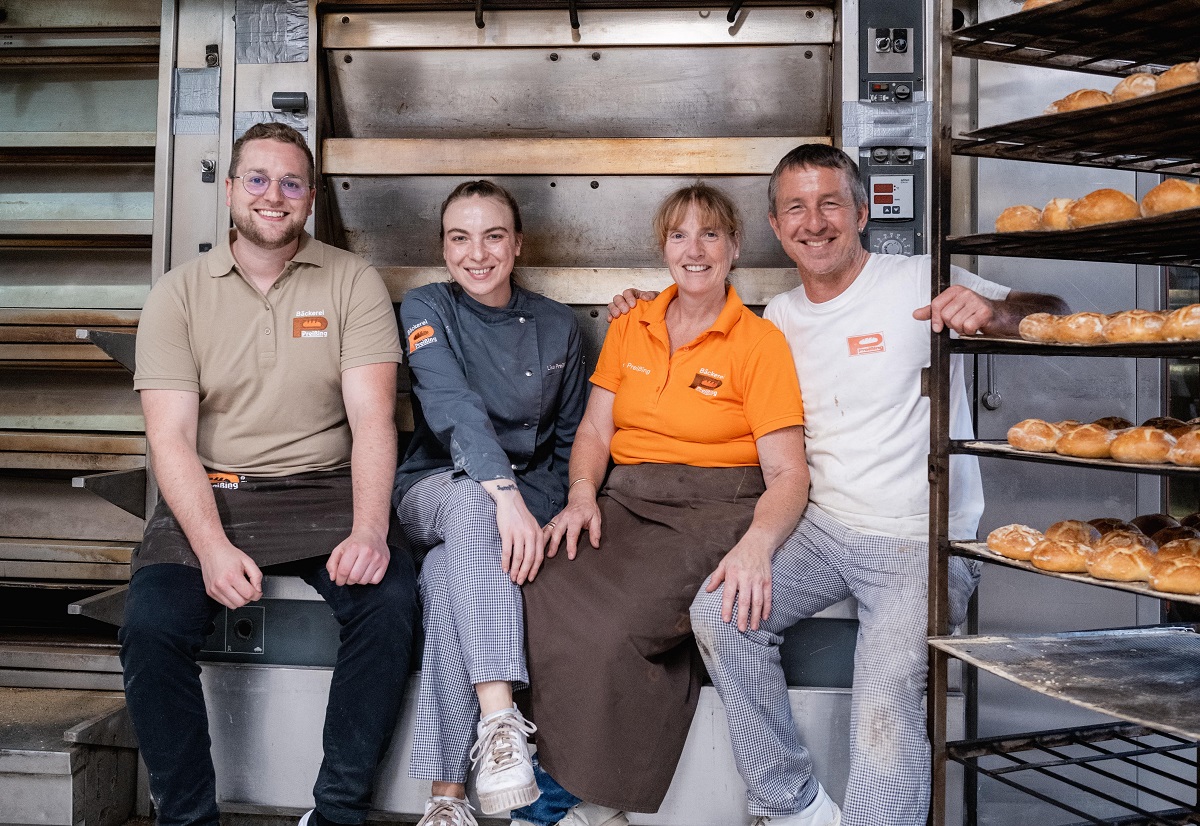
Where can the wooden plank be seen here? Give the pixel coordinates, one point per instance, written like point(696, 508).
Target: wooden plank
point(52, 550)
point(48, 334)
point(79, 462)
point(51, 352)
point(51, 442)
point(557, 156)
point(73, 571)
point(70, 318)
point(597, 285)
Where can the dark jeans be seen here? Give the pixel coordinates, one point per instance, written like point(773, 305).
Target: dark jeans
point(167, 617)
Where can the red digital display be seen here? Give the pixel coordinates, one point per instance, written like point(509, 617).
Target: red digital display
point(883, 199)
point(886, 189)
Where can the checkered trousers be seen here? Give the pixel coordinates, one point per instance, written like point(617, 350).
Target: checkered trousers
point(822, 563)
point(474, 625)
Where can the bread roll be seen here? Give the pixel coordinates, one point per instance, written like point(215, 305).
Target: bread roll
point(1171, 195)
point(1186, 546)
point(1183, 324)
point(1054, 214)
point(1121, 564)
point(1113, 422)
point(1142, 444)
point(1089, 441)
point(1072, 530)
point(1103, 206)
point(1186, 452)
point(1036, 4)
point(1080, 328)
point(1125, 539)
point(1152, 523)
point(1192, 520)
point(1134, 325)
point(1068, 424)
point(1108, 524)
point(1061, 557)
point(1020, 218)
point(1081, 99)
point(1034, 434)
point(1169, 535)
point(1180, 575)
point(1014, 541)
point(1181, 74)
point(1167, 423)
point(1135, 86)
point(1038, 327)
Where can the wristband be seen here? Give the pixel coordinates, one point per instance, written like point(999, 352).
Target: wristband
point(580, 479)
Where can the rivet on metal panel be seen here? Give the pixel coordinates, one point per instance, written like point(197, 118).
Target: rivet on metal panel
point(594, 313)
point(348, 59)
point(807, 54)
point(554, 56)
point(345, 184)
point(809, 14)
point(595, 55)
point(553, 184)
point(345, 20)
point(595, 184)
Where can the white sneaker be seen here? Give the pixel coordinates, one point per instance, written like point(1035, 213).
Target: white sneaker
point(591, 814)
point(307, 816)
point(505, 774)
point(446, 811)
point(821, 812)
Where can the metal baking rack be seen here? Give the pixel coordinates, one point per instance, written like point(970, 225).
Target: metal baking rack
point(1114, 37)
point(980, 550)
point(991, 345)
point(1156, 133)
point(996, 448)
point(1061, 767)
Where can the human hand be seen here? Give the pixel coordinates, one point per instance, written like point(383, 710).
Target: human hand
point(522, 541)
point(626, 301)
point(360, 559)
point(230, 576)
point(746, 574)
point(963, 311)
point(580, 514)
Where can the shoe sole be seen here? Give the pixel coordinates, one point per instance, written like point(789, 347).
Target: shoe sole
point(502, 801)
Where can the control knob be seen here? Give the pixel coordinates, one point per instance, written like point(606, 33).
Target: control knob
point(891, 247)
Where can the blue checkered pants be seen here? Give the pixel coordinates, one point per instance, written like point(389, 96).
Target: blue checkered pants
point(822, 563)
point(474, 622)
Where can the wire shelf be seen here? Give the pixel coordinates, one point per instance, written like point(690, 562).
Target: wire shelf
point(998, 448)
point(991, 345)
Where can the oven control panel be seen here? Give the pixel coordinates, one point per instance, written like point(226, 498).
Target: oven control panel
point(894, 177)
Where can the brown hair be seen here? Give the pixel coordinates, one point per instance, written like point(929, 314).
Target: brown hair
point(824, 157)
point(272, 132)
point(483, 189)
point(713, 204)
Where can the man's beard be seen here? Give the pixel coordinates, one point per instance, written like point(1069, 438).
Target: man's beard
point(247, 229)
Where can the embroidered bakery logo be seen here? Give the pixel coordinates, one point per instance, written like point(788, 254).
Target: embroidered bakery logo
point(707, 382)
point(419, 335)
point(864, 345)
point(310, 324)
point(225, 481)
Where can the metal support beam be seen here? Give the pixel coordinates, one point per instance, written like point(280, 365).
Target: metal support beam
point(124, 488)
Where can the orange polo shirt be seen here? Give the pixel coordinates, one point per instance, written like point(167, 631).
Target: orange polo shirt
point(706, 404)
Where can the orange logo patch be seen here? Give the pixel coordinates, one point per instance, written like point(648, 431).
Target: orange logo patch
point(310, 325)
point(862, 345)
point(418, 336)
point(224, 480)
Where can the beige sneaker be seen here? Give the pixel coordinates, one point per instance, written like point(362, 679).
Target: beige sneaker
point(590, 814)
point(447, 811)
point(504, 778)
point(821, 812)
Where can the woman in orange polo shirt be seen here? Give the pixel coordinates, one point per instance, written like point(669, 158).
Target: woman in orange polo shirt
point(695, 400)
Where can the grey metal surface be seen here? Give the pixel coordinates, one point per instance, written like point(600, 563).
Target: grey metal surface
point(120, 346)
point(107, 606)
point(569, 92)
point(45, 507)
point(1149, 676)
point(67, 99)
point(394, 221)
point(71, 14)
point(124, 488)
point(112, 278)
point(94, 399)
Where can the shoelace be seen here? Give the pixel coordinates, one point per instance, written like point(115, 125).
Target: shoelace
point(443, 812)
point(502, 740)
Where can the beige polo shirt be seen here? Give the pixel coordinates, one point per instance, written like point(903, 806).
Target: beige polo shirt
point(268, 368)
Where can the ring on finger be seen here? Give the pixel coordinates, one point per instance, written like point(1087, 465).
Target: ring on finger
point(550, 524)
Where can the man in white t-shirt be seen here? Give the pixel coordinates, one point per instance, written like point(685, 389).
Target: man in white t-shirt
point(859, 327)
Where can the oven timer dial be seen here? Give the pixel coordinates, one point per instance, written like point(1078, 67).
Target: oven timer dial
point(891, 242)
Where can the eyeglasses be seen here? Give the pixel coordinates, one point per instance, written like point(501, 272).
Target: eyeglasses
point(291, 186)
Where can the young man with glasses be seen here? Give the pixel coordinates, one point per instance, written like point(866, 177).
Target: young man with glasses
point(267, 374)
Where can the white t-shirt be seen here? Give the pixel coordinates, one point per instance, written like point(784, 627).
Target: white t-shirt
point(859, 358)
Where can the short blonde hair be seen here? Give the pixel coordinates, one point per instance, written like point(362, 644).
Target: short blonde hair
point(713, 204)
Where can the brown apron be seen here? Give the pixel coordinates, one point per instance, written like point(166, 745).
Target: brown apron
point(613, 668)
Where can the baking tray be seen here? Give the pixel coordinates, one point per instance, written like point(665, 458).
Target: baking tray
point(1113, 37)
point(1144, 675)
point(1156, 133)
point(1002, 449)
point(980, 550)
point(995, 345)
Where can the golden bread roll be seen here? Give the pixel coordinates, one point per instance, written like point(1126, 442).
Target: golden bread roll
point(1125, 539)
point(1167, 423)
point(1072, 530)
point(1142, 444)
point(1113, 422)
point(1068, 424)
point(1180, 575)
point(1103, 206)
point(1121, 564)
point(1134, 325)
point(1014, 541)
point(1192, 520)
point(1089, 441)
point(1038, 327)
point(1187, 546)
point(1020, 218)
point(1183, 324)
point(1171, 195)
point(1181, 74)
point(1135, 86)
point(1034, 434)
point(1169, 535)
point(1152, 523)
point(1060, 556)
point(1081, 99)
point(1080, 328)
point(1108, 524)
point(1036, 4)
point(1186, 452)
point(1054, 214)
